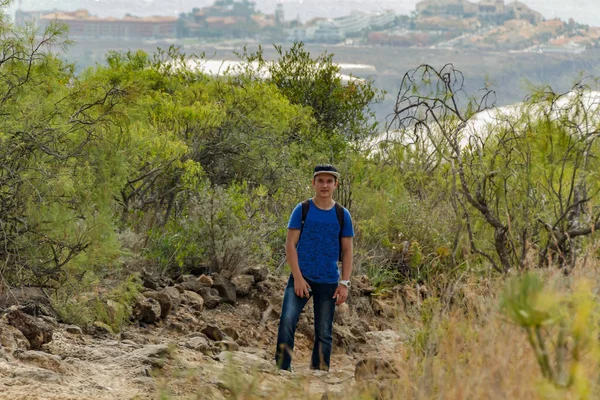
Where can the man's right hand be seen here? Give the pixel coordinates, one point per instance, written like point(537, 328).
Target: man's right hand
point(301, 288)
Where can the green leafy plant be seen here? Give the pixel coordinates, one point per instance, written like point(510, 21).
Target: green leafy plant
point(561, 328)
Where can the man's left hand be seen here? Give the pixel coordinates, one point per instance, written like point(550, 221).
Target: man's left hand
point(341, 294)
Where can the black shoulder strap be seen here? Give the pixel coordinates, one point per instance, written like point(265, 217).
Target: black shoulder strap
point(339, 212)
point(305, 207)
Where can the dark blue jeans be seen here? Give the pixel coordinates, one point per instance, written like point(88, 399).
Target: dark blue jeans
point(324, 306)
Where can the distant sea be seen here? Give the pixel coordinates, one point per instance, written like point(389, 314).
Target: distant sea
point(583, 11)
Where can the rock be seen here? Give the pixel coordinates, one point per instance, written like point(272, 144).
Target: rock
point(243, 284)
point(164, 300)
point(225, 288)
point(359, 329)
point(227, 345)
point(199, 343)
point(41, 359)
point(36, 331)
point(11, 338)
point(206, 280)
point(141, 362)
point(165, 281)
point(193, 300)
point(344, 338)
point(383, 308)
point(191, 283)
point(175, 297)
point(50, 320)
point(74, 330)
point(386, 341)
point(361, 286)
point(372, 368)
point(272, 287)
point(263, 287)
point(307, 329)
point(178, 327)
point(211, 392)
point(362, 306)
point(189, 320)
point(150, 282)
point(148, 383)
point(31, 300)
point(246, 361)
point(259, 273)
point(211, 297)
point(232, 333)
point(342, 314)
point(146, 310)
point(153, 351)
point(270, 313)
point(28, 373)
point(213, 332)
point(154, 355)
point(36, 309)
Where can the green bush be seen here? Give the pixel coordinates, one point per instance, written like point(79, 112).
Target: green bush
point(220, 229)
point(561, 325)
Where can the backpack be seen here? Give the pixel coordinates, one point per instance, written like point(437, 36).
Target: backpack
point(339, 212)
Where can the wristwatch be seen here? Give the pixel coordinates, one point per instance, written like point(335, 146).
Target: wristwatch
point(345, 283)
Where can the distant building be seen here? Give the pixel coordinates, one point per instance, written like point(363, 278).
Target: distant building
point(382, 19)
point(337, 29)
point(452, 24)
point(84, 25)
point(491, 10)
point(486, 10)
point(518, 10)
point(279, 14)
point(334, 30)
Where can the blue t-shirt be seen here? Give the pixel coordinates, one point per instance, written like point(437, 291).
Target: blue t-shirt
point(319, 246)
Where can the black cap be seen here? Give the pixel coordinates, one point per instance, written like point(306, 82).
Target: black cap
point(326, 169)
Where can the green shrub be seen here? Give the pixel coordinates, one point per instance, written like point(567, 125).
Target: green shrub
point(561, 326)
point(112, 308)
point(221, 229)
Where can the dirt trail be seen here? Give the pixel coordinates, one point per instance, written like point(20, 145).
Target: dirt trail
point(175, 359)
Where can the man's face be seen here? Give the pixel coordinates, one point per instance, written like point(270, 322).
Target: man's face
point(324, 185)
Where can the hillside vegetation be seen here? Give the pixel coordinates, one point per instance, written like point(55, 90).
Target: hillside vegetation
point(142, 167)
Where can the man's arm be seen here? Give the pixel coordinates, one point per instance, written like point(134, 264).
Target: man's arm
point(347, 250)
point(301, 287)
point(341, 293)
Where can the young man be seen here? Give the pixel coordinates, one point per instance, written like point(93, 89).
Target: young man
point(312, 249)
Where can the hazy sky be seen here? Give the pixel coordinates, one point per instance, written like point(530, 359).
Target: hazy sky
point(583, 11)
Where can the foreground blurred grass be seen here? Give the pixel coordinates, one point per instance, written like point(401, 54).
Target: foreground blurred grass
point(533, 335)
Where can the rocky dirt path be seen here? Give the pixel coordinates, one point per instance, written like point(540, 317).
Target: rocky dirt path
point(194, 352)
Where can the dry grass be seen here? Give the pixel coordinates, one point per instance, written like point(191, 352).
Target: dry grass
point(467, 348)
point(470, 350)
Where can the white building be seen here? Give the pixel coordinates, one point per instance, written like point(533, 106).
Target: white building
point(334, 30)
point(337, 29)
point(381, 19)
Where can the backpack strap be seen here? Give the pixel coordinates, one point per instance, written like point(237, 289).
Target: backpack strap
point(305, 207)
point(339, 212)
